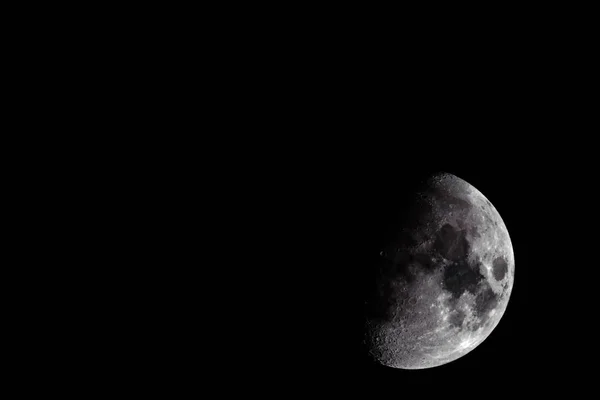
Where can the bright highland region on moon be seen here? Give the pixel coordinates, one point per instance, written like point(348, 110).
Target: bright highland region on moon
point(444, 281)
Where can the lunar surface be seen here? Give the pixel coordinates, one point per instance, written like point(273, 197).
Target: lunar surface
point(444, 280)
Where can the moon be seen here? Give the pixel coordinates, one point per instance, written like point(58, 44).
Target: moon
point(443, 282)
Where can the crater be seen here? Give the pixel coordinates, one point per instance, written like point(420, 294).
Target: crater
point(499, 268)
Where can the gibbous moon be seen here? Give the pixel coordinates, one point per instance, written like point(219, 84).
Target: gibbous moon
point(444, 281)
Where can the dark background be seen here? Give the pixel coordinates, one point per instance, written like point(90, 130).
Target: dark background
point(305, 148)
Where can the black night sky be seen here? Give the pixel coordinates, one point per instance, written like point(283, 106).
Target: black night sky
point(285, 151)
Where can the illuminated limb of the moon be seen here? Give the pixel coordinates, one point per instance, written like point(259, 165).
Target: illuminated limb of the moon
point(444, 285)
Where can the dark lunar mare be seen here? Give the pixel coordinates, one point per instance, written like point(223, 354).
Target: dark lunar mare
point(460, 277)
point(452, 243)
point(456, 318)
point(500, 268)
point(485, 301)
